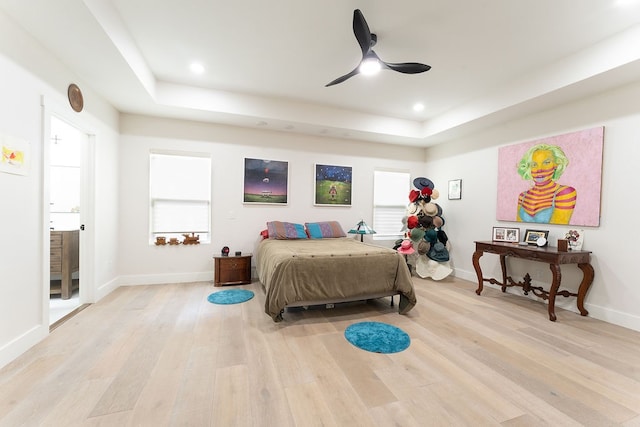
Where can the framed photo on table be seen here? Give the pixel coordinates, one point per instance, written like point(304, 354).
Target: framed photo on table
point(531, 236)
point(506, 234)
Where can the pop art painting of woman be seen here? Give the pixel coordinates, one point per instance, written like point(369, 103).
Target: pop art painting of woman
point(547, 201)
point(555, 180)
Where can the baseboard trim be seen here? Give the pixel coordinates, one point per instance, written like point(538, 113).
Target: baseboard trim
point(106, 289)
point(158, 279)
point(24, 342)
point(615, 317)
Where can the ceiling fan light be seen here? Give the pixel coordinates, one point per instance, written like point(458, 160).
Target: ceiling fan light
point(370, 66)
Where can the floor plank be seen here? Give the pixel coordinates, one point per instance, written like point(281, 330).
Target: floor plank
point(163, 355)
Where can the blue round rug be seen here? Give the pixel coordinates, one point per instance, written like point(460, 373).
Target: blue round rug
point(230, 296)
point(377, 337)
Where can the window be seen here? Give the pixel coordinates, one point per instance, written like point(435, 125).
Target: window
point(180, 193)
point(390, 199)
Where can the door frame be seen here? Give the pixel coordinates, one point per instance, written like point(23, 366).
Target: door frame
point(51, 108)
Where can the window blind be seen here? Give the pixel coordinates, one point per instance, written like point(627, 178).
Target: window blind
point(180, 195)
point(390, 199)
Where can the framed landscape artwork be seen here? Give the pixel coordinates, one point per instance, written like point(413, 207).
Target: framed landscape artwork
point(332, 185)
point(266, 181)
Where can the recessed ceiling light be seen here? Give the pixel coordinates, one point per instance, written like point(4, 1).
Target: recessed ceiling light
point(418, 107)
point(196, 68)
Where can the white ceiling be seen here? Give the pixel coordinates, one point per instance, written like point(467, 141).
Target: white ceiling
point(266, 62)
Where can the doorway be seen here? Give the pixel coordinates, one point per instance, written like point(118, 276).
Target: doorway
point(65, 163)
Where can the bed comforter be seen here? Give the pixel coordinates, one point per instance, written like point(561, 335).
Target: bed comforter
point(301, 272)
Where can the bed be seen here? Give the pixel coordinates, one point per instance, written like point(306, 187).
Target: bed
point(306, 272)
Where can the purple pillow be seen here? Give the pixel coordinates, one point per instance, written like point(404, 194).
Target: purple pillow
point(285, 230)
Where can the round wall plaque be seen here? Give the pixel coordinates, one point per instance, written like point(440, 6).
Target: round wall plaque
point(75, 97)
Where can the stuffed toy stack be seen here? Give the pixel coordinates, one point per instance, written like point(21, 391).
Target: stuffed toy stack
point(424, 229)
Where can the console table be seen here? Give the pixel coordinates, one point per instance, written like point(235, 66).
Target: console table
point(549, 255)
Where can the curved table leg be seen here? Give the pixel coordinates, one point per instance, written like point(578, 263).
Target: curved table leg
point(587, 279)
point(476, 266)
point(503, 267)
point(555, 284)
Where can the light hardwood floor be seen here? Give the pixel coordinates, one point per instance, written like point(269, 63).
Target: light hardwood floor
point(164, 356)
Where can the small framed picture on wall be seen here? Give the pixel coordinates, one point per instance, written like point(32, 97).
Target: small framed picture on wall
point(455, 189)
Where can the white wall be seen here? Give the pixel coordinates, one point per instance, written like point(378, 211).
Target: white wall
point(235, 224)
point(615, 294)
point(27, 100)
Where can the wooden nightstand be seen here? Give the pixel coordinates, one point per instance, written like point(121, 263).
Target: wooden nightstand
point(232, 270)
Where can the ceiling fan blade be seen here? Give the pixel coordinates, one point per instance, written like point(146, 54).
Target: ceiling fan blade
point(408, 67)
point(367, 41)
point(361, 31)
point(343, 78)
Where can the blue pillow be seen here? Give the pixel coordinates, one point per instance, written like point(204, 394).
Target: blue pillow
point(324, 230)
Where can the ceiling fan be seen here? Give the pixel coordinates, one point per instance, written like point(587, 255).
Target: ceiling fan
point(370, 60)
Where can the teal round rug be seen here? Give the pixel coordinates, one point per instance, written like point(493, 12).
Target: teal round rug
point(230, 296)
point(377, 337)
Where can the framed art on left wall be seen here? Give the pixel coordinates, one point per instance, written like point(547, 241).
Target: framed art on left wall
point(266, 181)
point(14, 155)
